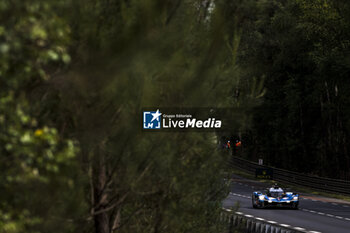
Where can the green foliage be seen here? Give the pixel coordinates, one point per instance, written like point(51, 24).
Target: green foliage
point(34, 157)
point(125, 55)
point(31, 36)
point(155, 53)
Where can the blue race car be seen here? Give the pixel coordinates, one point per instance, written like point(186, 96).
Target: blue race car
point(275, 197)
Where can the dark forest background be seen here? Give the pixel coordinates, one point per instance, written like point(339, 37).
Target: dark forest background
point(301, 48)
point(75, 75)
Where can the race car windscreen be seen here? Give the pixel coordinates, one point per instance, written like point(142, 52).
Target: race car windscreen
point(276, 194)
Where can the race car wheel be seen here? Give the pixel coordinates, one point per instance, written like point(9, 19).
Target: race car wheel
point(254, 203)
point(295, 206)
point(261, 205)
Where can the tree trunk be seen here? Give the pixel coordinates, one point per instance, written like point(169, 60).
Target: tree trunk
point(101, 218)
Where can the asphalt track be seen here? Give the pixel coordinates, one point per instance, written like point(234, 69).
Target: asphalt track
point(315, 214)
